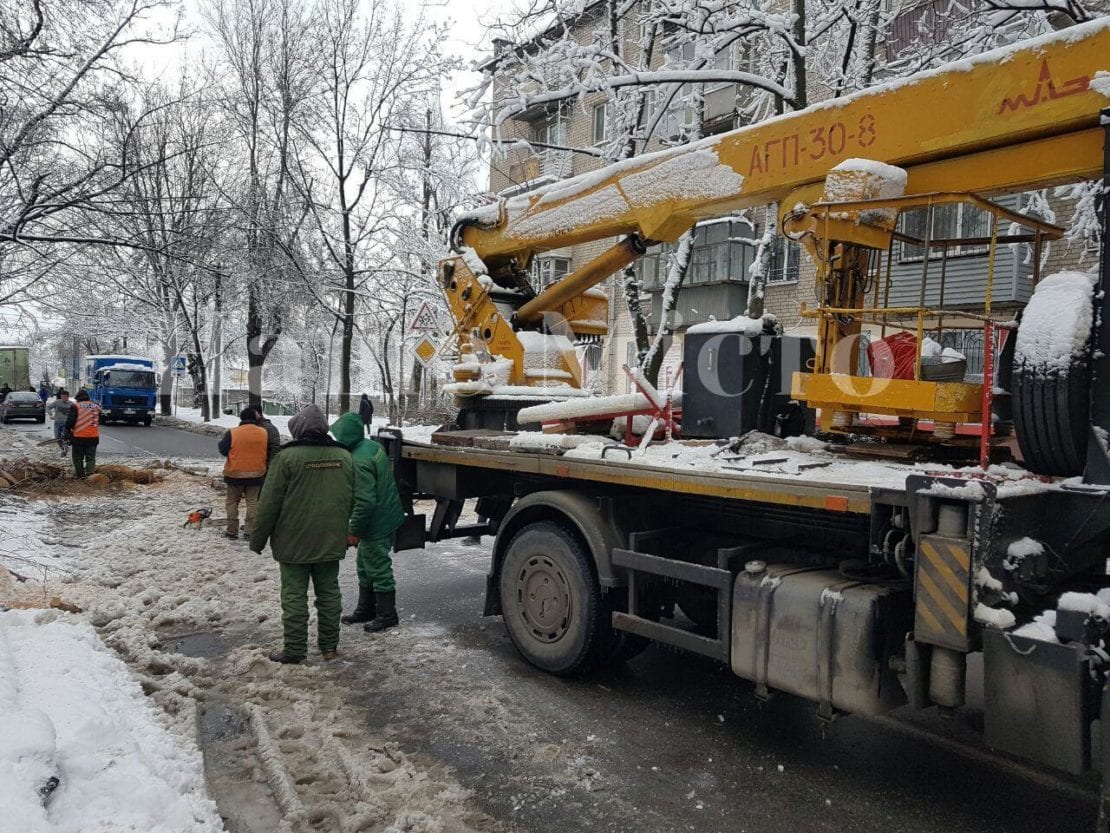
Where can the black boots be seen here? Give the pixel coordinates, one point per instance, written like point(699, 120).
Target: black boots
point(286, 659)
point(364, 611)
point(387, 612)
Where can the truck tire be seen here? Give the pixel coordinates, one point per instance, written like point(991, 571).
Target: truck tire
point(147, 421)
point(551, 601)
point(1052, 375)
point(1051, 413)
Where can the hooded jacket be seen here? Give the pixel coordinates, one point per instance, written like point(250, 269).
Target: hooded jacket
point(377, 509)
point(306, 501)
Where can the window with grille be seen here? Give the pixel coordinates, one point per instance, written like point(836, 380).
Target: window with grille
point(786, 258)
point(952, 221)
point(548, 270)
point(717, 256)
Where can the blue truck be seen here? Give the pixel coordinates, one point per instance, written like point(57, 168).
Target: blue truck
point(125, 387)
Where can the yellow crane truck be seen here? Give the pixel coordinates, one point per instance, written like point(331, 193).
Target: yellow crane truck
point(860, 583)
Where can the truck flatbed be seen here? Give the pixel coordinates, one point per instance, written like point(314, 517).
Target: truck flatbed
point(803, 474)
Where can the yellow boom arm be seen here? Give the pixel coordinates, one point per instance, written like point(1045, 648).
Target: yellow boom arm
point(1017, 118)
point(1014, 119)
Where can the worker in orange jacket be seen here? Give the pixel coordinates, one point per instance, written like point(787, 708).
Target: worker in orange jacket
point(83, 432)
point(245, 448)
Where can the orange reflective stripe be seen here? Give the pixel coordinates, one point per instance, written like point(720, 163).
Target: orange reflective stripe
point(86, 425)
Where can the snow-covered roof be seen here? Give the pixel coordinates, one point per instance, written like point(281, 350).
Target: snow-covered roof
point(115, 356)
point(123, 366)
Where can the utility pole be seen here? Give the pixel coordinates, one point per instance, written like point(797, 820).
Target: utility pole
point(218, 346)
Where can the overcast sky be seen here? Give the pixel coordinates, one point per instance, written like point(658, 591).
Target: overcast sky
point(468, 21)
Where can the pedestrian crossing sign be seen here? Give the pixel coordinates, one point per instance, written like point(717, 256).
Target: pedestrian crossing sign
point(425, 350)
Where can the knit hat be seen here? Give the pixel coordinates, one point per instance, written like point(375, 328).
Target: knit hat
point(248, 415)
point(308, 421)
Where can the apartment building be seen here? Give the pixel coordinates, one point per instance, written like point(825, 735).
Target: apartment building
point(717, 282)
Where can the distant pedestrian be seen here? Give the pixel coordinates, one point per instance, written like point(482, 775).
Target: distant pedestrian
point(58, 411)
point(44, 392)
point(304, 512)
point(366, 412)
point(83, 432)
point(272, 432)
point(376, 515)
point(4, 391)
point(245, 448)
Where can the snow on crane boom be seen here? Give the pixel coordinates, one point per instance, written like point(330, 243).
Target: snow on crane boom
point(1022, 117)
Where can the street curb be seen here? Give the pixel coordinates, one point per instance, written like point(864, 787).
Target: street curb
point(205, 429)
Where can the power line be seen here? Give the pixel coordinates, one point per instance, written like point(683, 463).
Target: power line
point(596, 154)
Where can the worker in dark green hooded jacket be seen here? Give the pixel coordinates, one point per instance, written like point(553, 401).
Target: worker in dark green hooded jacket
point(376, 515)
point(303, 513)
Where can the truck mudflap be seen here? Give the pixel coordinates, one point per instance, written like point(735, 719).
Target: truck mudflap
point(814, 633)
point(1040, 699)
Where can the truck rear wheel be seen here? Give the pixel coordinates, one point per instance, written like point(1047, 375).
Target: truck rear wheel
point(1052, 375)
point(551, 600)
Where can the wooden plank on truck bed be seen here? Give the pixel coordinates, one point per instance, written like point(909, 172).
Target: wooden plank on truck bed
point(467, 438)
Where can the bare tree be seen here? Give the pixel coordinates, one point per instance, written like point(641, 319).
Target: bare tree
point(62, 80)
point(376, 60)
point(264, 68)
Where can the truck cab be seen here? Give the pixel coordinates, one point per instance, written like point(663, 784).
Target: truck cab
point(125, 387)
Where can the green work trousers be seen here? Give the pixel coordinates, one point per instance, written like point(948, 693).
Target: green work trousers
point(295, 578)
point(84, 459)
point(374, 566)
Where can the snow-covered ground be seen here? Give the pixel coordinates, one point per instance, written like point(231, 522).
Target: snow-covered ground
point(229, 420)
point(73, 712)
point(120, 694)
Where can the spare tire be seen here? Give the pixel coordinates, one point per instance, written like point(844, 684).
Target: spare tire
point(1052, 375)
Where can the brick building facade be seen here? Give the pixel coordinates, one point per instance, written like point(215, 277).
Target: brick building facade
point(717, 282)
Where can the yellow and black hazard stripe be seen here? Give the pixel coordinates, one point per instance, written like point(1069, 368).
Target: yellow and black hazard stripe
point(943, 592)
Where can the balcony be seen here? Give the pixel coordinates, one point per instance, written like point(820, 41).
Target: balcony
point(541, 167)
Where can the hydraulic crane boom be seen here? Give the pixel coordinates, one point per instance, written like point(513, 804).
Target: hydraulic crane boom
point(1016, 118)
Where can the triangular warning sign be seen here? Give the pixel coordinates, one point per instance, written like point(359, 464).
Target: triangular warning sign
point(425, 320)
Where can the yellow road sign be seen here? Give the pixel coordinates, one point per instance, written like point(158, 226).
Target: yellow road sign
point(425, 350)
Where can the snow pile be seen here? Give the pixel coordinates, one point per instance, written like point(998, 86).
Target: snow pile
point(993, 617)
point(549, 443)
point(741, 324)
point(1101, 83)
point(931, 349)
point(1019, 550)
point(472, 261)
point(865, 179)
point(542, 350)
point(694, 176)
point(72, 711)
point(1042, 628)
point(690, 173)
point(1087, 603)
point(1057, 322)
point(232, 420)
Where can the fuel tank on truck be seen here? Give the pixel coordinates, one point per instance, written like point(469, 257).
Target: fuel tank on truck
point(812, 632)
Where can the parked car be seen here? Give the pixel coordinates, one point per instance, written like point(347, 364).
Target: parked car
point(22, 404)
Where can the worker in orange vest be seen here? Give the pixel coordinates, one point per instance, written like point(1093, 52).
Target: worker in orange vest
point(245, 448)
point(83, 433)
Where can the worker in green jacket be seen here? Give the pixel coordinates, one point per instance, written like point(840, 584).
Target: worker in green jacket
point(375, 518)
point(303, 512)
